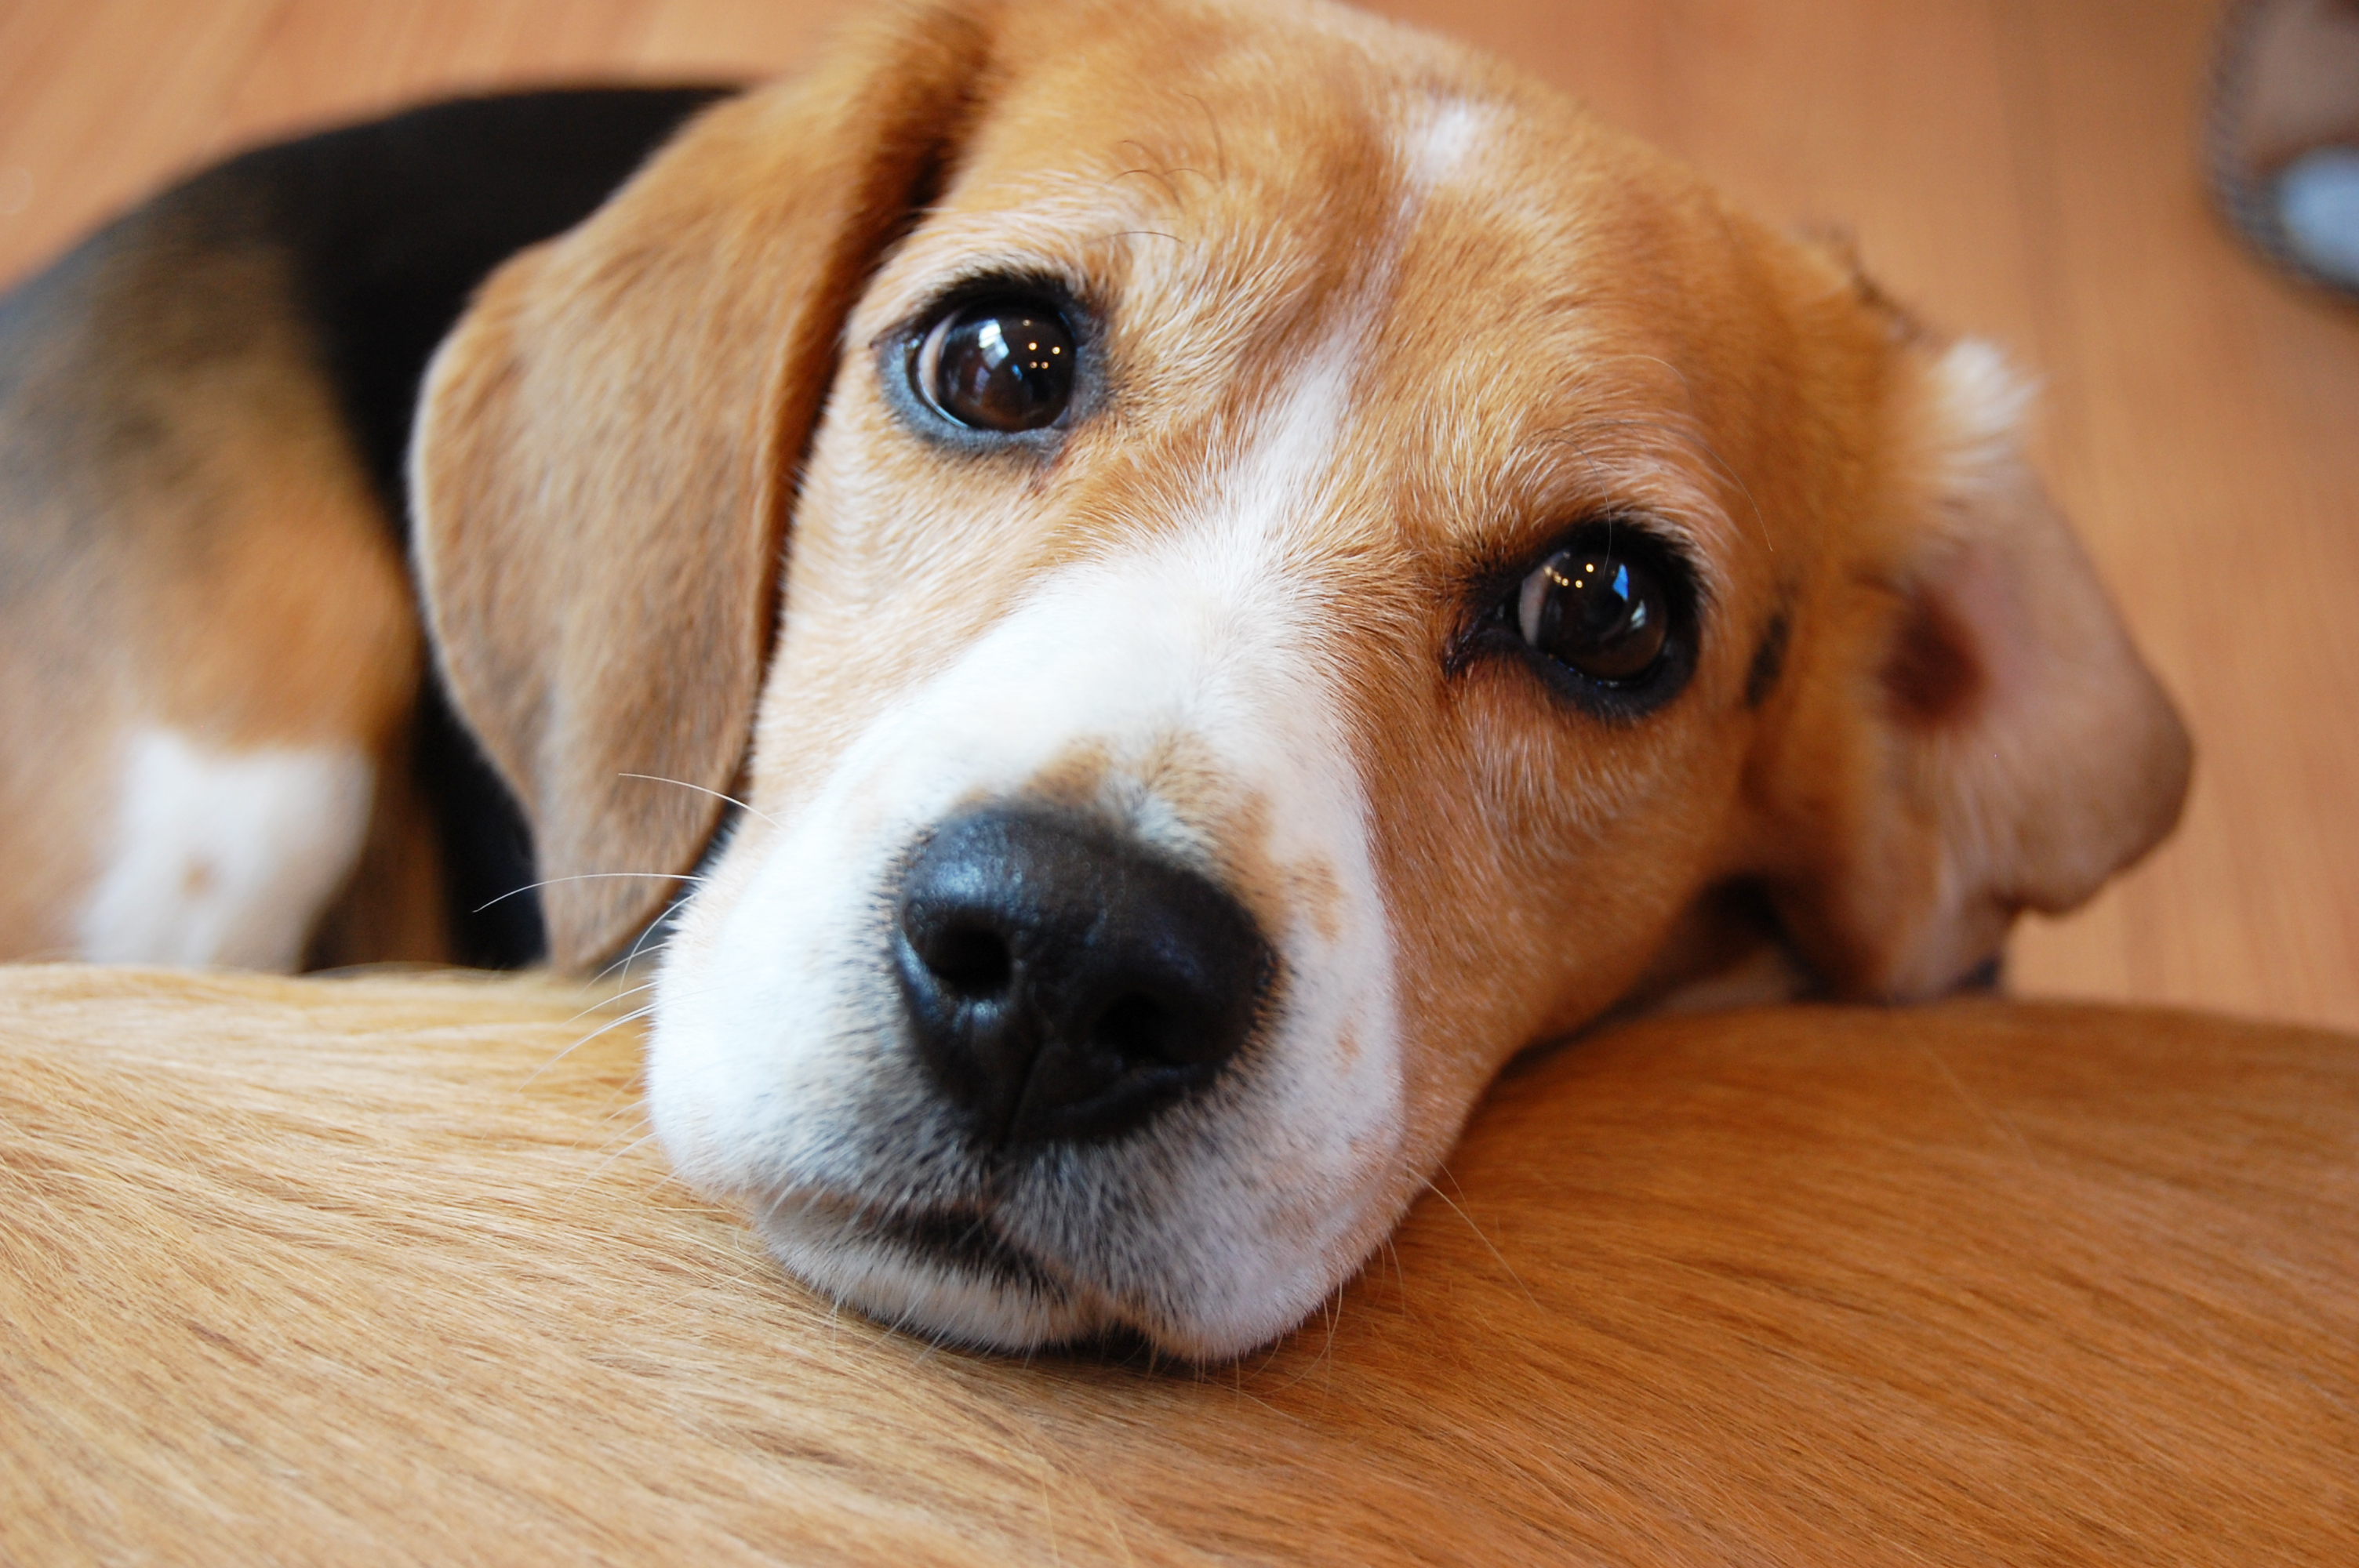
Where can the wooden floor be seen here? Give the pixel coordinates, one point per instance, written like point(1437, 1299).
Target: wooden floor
point(2025, 169)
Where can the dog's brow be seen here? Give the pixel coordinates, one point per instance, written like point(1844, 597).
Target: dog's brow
point(1220, 146)
point(1695, 504)
point(1157, 169)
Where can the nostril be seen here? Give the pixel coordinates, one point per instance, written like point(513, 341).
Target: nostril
point(1062, 982)
point(970, 960)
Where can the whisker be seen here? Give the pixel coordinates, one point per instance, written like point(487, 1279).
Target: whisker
point(584, 877)
point(683, 783)
point(610, 1000)
point(623, 995)
point(631, 1017)
point(1435, 1189)
point(625, 1152)
point(627, 959)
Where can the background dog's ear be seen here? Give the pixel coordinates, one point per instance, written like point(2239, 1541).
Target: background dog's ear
point(608, 447)
point(1977, 736)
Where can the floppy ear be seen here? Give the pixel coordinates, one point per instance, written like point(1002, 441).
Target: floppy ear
point(606, 451)
point(1975, 734)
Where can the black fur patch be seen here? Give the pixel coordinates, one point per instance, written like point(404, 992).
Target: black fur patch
point(386, 228)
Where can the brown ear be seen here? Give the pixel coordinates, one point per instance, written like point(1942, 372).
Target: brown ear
point(1974, 735)
point(606, 453)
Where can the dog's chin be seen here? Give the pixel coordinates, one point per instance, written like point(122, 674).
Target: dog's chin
point(954, 1276)
point(948, 1274)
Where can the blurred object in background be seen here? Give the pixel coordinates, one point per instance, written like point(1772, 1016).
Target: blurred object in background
point(2285, 133)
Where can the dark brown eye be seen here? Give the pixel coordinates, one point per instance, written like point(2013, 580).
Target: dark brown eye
point(1601, 611)
point(998, 364)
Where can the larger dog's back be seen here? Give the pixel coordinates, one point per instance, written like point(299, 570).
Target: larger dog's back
point(217, 712)
point(383, 1270)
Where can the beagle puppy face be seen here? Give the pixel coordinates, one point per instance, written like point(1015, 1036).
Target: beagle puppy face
point(1246, 567)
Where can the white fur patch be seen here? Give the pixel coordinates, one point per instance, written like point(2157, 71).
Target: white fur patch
point(1194, 661)
point(1983, 403)
point(224, 857)
point(1438, 137)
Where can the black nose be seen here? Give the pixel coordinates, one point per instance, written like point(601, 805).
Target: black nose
point(1064, 983)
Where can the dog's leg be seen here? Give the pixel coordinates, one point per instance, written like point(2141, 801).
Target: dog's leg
point(210, 666)
point(208, 653)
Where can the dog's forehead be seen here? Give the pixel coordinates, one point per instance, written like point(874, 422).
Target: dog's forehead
point(1493, 265)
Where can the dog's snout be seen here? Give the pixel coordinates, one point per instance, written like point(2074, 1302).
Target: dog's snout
point(1063, 983)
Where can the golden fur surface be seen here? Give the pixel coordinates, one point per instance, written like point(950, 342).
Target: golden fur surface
point(383, 1270)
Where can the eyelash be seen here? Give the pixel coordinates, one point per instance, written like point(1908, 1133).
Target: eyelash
point(897, 354)
point(1494, 630)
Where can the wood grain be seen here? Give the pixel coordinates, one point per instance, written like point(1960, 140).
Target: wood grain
point(2024, 170)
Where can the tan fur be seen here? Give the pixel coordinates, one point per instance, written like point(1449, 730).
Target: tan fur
point(382, 1271)
point(608, 452)
point(1914, 712)
point(189, 542)
point(609, 441)
point(1373, 320)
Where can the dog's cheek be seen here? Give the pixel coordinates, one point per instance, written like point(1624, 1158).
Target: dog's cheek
point(1535, 866)
point(717, 1074)
point(897, 568)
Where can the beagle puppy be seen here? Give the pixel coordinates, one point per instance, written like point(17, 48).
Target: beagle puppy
point(1176, 584)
